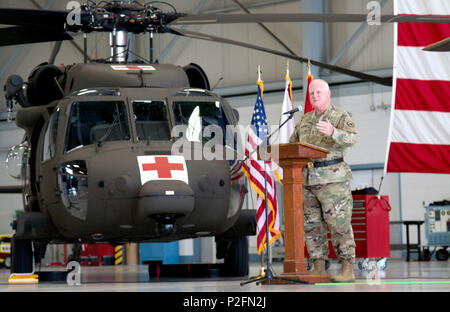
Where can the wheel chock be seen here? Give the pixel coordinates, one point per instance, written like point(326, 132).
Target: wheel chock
point(16, 278)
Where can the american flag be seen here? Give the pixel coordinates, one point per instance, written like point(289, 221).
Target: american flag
point(419, 136)
point(254, 171)
point(236, 170)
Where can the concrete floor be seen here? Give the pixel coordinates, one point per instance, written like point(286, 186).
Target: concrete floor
point(398, 276)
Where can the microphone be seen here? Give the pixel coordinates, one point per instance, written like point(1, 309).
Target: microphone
point(292, 111)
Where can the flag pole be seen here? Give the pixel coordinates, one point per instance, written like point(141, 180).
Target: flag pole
point(259, 73)
point(309, 67)
point(287, 69)
point(309, 78)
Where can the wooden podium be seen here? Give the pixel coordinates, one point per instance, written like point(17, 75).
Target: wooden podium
point(292, 157)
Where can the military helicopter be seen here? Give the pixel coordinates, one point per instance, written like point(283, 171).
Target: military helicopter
point(97, 157)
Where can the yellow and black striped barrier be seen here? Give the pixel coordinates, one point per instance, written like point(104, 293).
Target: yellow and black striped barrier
point(118, 255)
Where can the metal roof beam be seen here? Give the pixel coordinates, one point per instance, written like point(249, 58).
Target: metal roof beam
point(243, 8)
point(352, 39)
point(313, 38)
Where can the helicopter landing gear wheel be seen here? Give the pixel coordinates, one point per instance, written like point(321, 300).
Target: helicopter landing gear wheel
point(22, 256)
point(236, 259)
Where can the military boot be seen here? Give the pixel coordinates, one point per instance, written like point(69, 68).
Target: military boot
point(318, 267)
point(346, 275)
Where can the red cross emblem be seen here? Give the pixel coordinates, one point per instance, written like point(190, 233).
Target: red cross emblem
point(163, 167)
point(129, 67)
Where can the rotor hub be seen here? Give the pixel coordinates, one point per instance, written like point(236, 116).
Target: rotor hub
point(121, 15)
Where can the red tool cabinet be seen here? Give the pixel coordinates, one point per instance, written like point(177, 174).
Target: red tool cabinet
point(370, 223)
point(97, 254)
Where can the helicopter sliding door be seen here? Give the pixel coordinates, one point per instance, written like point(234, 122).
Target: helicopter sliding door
point(46, 178)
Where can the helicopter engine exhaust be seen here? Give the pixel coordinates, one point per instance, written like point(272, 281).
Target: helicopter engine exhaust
point(197, 77)
point(45, 84)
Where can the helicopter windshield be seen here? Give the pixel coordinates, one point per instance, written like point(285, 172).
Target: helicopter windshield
point(151, 120)
point(96, 122)
point(197, 115)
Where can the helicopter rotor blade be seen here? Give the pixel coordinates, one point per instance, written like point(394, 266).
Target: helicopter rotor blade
point(34, 18)
point(54, 18)
point(359, 75)
point(302, 17)
point(11, 189)
point(440, 46)
point(22, 35)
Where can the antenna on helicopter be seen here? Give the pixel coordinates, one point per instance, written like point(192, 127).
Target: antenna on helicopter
point(85, 48)
point(151, 47)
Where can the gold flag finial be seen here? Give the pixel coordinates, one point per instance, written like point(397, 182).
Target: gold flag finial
point(287, 69)
point(259, 72)
point(309, 66)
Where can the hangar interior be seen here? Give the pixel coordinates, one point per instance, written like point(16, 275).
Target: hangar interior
point(232, 71)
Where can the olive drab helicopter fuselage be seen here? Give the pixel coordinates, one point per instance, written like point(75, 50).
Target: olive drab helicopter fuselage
point(101, 163)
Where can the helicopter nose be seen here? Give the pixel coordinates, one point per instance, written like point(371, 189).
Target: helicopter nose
point(165, 197)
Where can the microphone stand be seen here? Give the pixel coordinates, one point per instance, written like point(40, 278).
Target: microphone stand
point(269, 275)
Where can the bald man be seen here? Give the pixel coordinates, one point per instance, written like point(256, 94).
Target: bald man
point(327, 199)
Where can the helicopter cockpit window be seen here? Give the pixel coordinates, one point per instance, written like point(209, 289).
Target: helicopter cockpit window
point(151, 120)
point(95, 122)
point(49, 147)
point(197, 115)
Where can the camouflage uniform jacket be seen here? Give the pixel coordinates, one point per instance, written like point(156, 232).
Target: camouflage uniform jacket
point(344, 135)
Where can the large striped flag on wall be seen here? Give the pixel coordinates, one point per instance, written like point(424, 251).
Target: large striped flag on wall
point(419, 135)
point(254, 171)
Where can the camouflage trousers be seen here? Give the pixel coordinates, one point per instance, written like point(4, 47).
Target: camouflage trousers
point(329, 205)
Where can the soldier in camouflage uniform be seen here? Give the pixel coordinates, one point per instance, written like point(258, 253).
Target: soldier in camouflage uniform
point(327, 199)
